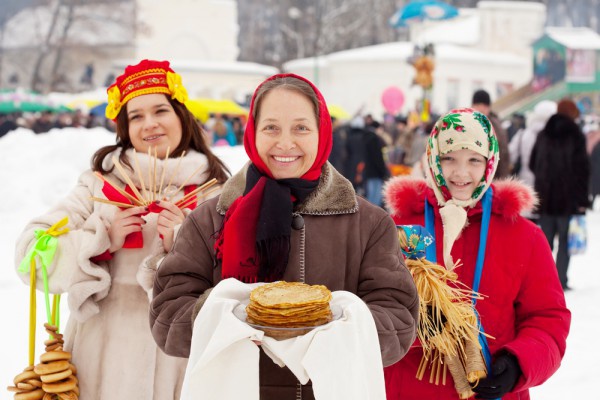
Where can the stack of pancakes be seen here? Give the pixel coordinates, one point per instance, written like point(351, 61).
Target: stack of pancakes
point(281, 305)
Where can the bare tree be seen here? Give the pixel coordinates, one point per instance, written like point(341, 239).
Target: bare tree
point(8, 9)
point(45, 47)
point(273, 32)
point(72, 34)
point(60, 45)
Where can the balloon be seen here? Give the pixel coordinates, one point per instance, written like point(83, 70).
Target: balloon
point(392, 99)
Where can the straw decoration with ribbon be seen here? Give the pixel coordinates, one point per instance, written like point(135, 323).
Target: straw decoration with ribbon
point(43, 249)
point(54, 377)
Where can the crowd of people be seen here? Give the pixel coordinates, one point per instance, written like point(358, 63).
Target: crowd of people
point(219, 129)
point(319, 202)
point(42, 122)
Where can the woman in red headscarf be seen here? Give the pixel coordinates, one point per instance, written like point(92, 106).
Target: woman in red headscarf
point(287, 215)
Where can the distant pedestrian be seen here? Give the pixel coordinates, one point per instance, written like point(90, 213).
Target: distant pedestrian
point(483, 103)
point(521, 145)
point(561, 168)
point(355, 154)
point(375, 171)
point(593, 147)
point(7, 124)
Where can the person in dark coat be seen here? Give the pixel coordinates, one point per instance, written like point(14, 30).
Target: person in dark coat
point(595, 172)
point(593, 149)
point(375, 171)
point(482, 103)
point(355, 154)
point(7, 124)
point(561, 168)
point(338, 154)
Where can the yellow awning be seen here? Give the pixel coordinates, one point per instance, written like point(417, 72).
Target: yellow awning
point(202, 108)
point(85, 103)
point(338, 112)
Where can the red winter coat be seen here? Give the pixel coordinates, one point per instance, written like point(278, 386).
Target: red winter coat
point(524, 306)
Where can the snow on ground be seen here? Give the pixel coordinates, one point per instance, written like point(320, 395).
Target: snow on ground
point(37, 170)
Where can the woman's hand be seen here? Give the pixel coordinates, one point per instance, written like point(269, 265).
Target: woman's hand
point(123, 223)
point(168, 219)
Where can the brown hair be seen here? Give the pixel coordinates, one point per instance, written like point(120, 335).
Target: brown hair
point(192, 137)
point(288, 83)
point(568, 108)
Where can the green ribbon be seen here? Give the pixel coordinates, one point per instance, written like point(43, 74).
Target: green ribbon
point(45, 246)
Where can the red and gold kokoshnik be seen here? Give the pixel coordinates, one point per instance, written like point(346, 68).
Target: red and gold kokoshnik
point(147, 77)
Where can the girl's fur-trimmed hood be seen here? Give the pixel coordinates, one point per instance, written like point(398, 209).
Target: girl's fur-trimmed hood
point(404, 196)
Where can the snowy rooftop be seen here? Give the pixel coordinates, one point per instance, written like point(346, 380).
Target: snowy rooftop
point(403, 50)
point(523, 5)
point(473, 55)
point(463, 30)
point(574, 38)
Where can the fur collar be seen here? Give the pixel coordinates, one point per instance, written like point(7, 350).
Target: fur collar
point(512, 197)
point(333, 195)
point(192, 169)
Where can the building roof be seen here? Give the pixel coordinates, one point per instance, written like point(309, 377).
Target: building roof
point(402, 51)
point(462, 30)
point(520, 5)
point(574, 38)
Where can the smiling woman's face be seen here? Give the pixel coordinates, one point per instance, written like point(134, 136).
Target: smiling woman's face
point(287, 133)
point(153, 123)
point(463, 171)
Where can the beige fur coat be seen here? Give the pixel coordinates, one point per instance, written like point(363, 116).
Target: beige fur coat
point(108, 330)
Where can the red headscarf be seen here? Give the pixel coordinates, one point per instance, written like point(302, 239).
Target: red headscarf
point(325, 133)
point(254, 243)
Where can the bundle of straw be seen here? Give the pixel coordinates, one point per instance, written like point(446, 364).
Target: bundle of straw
point(154, 191)
point(447, 326)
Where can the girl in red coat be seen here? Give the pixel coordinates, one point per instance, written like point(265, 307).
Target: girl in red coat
point(503, 256)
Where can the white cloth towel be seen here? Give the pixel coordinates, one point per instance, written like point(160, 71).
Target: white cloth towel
point(342, 358)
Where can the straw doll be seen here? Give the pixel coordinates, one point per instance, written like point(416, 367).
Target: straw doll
point(481, 237)
point(448, 331)
point(123, 214)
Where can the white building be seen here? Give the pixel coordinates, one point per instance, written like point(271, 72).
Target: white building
point(487, 47)
point(199, 37)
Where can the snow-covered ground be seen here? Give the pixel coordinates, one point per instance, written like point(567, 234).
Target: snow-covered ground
point(37, 170)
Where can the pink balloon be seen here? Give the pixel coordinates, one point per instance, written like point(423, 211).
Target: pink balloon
point(392, 99)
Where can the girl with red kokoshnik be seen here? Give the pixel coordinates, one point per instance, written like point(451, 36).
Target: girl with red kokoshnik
point(105, 262)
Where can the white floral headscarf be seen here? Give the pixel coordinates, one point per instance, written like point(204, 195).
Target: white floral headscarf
point(459, 129)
